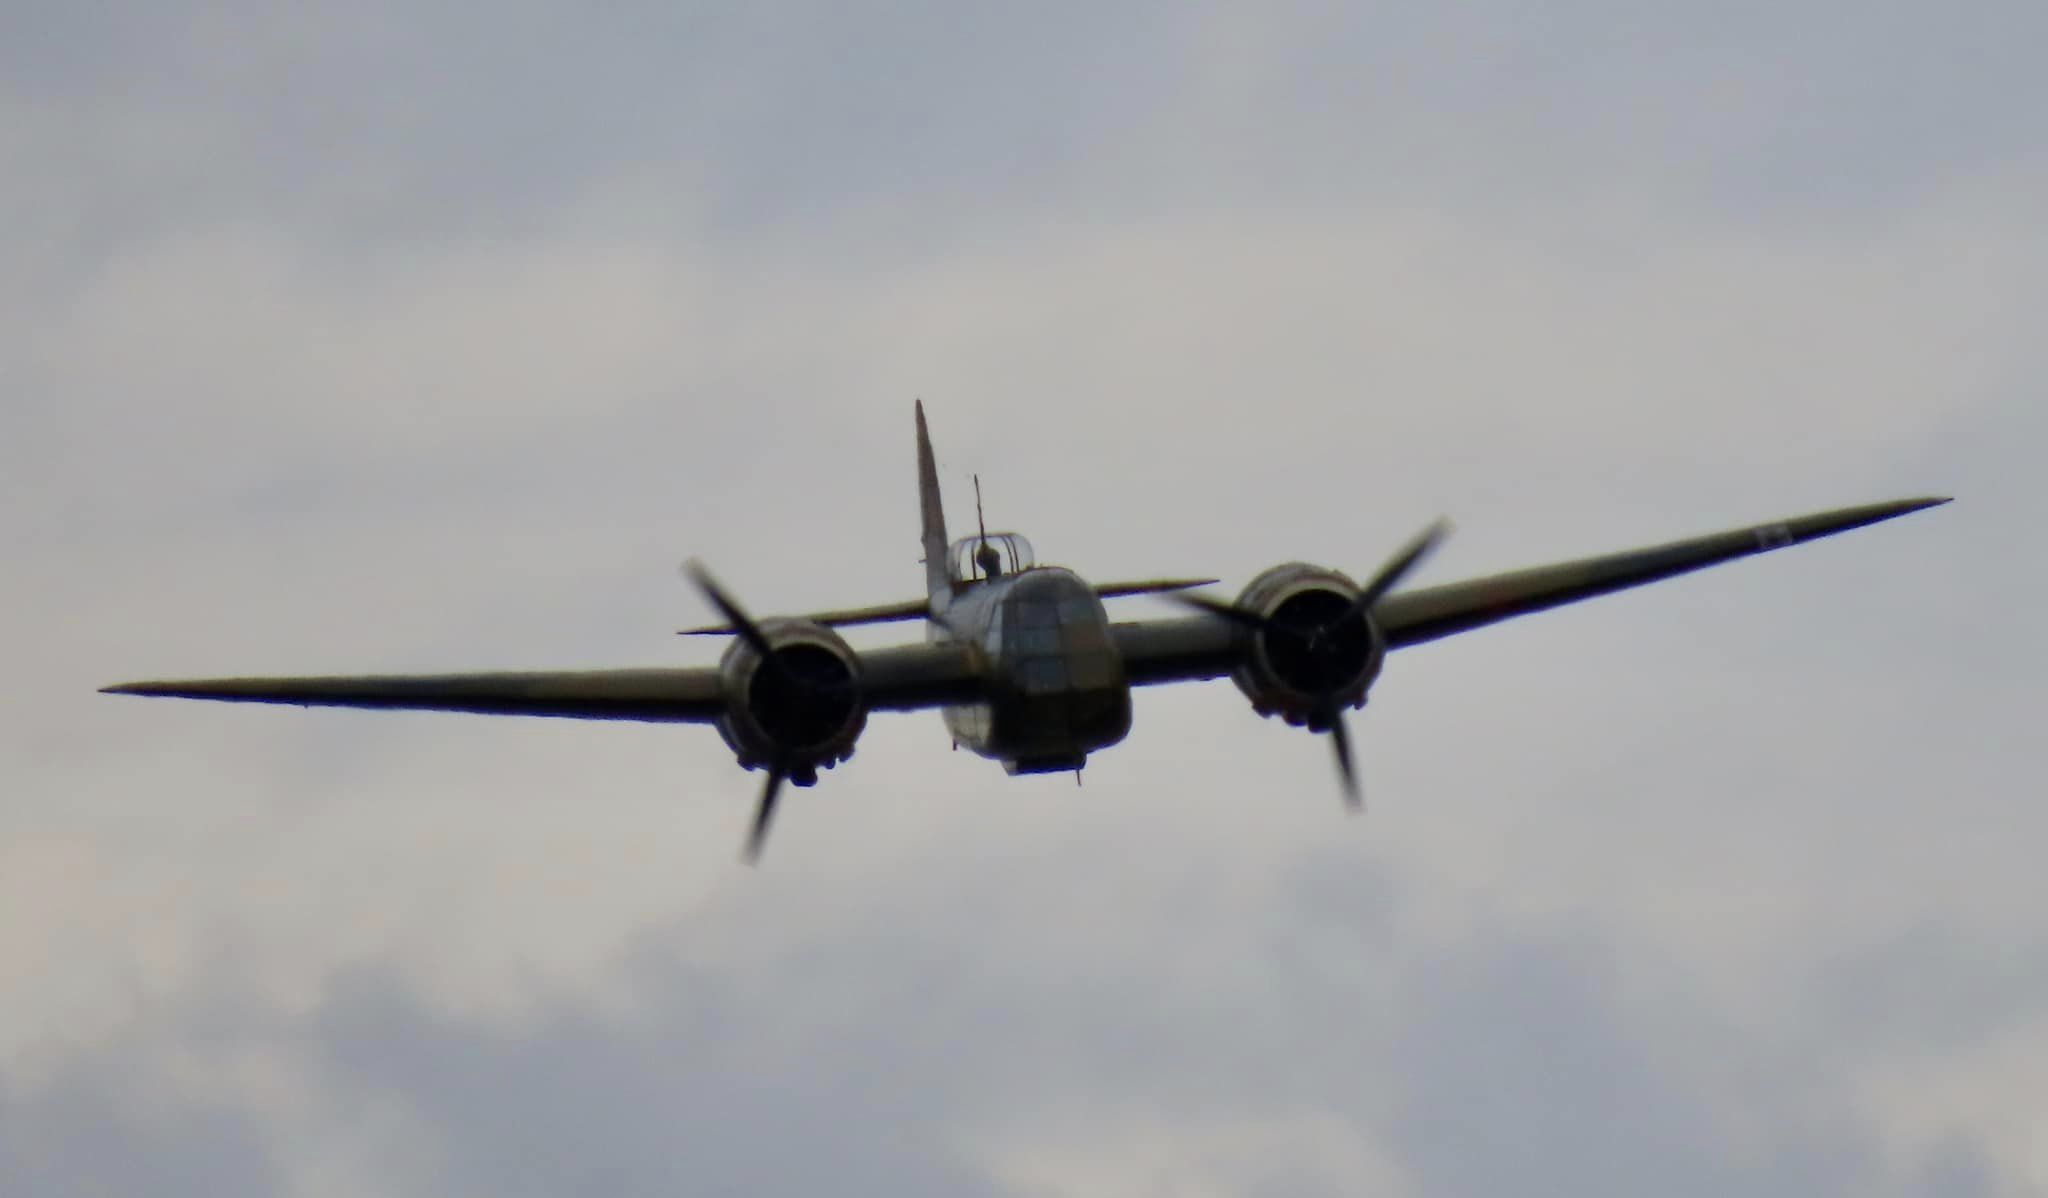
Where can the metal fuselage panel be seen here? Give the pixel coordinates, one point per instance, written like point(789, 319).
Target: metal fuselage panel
point(1057, 687)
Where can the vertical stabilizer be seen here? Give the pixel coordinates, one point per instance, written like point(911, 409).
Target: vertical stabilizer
point(938, 584)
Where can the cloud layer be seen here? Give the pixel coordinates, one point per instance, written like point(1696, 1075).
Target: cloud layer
point(378, 339)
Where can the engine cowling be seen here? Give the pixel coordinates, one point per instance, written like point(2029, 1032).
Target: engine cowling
point(803, 711)
point(1313, 660)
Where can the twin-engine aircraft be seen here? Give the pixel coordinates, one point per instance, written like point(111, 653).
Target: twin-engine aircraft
point(1022, 658)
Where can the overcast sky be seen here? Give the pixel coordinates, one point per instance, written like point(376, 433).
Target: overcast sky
point(407, 337)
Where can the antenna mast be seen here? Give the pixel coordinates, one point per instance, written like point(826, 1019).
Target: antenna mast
point(981, 525)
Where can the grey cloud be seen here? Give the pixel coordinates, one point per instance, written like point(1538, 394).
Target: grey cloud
point(1503, 1063)
point(1531, 1075)
point(697, 1098)
point(401, 341)
point(892, 128)
point(90, 1132)
point(393, 126)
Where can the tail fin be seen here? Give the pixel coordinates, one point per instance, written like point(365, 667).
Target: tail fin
point(938, 582)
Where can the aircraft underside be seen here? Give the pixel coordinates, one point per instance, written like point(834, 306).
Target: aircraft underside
point(1046, 733)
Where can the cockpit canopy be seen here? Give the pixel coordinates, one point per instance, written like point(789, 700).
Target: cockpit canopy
point(997, 554)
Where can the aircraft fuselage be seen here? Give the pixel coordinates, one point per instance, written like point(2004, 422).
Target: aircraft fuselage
point(1058, 690)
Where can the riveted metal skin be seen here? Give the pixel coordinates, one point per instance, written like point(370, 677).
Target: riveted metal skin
point(1054, 688)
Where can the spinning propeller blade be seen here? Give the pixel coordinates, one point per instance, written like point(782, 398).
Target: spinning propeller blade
point(1391, 574)
point(1217, 607)
point(763, 814)
point(747, 630)
point(1340, 742)
point(1329, 718)
point(742, 624)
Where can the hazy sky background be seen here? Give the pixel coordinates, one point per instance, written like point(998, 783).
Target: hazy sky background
point(383, 337)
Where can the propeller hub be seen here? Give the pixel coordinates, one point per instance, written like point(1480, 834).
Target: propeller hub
point(1314, 648)
point(1308, 647)
point(1316, 644)
point(793, 699)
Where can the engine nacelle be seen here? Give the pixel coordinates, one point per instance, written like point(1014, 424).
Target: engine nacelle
point(804, 712)
point(1314, 661)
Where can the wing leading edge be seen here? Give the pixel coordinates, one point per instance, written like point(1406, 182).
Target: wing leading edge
point(1196, 647)
point(686, 695)
point(1440, 611)
point(931, 675)
point(898, 679)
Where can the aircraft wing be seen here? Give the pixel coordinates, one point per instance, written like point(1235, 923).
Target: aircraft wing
point(1413, 617)
point(899, 679)
point(686, 695)
point(1203, 646)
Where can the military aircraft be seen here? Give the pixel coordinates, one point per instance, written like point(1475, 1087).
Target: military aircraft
point(1022, 658)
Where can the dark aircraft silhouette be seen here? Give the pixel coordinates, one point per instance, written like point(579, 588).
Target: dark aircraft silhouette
point(1022, 658)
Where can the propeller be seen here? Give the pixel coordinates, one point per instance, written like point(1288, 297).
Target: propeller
point(1340, 742)
point(747, 630)
point(1410, 556)
point(1327, 714)
point(763, 813)
point(742, 624)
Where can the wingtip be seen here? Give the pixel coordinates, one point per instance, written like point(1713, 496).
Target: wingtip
point(159, 690)
point(1906, 507)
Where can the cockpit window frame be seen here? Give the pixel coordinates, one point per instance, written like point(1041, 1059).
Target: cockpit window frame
point(1012, 549)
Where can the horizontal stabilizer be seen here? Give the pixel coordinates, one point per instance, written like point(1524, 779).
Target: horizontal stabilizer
point(1153, 586)
point(916, 609)
point(887, 613)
